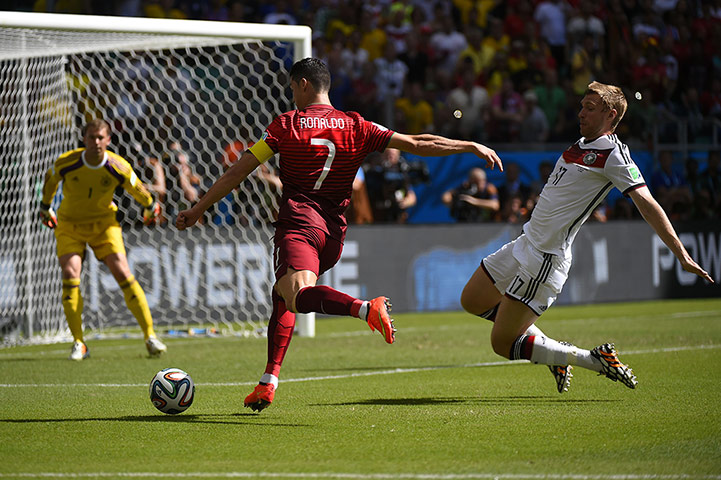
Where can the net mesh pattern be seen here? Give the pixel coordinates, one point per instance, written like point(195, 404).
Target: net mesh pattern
point(181, 109)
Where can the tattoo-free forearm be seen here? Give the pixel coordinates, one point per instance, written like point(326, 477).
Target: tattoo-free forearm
point(238, 172)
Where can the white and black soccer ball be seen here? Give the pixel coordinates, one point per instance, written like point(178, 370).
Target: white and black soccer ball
point(172, 391)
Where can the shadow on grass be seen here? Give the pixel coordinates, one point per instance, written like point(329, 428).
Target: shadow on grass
point(509, 400)
point(226, 419)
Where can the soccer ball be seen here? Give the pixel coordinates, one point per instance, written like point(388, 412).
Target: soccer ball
point(172, 390)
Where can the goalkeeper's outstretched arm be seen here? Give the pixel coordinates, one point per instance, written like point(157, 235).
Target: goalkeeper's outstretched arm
point(238, 172)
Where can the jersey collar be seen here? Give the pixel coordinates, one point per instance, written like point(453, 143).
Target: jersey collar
point(100, 165)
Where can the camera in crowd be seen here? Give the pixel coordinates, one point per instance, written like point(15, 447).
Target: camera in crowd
point(463, 211)
point(417, 171)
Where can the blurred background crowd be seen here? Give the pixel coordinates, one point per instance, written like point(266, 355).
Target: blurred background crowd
point(503, 73)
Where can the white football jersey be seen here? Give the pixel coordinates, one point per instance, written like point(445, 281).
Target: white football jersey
point(581, 179)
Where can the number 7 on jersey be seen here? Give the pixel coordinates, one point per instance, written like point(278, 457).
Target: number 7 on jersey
point(328, 160)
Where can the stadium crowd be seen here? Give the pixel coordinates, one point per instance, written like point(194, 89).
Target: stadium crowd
point(507, 72)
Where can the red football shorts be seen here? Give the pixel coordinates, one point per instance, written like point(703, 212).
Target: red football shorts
point(304, 249)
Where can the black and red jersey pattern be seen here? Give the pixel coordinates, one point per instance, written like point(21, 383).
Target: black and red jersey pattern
point(586, 157)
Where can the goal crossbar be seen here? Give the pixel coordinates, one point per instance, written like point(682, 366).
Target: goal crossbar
point(299, 35)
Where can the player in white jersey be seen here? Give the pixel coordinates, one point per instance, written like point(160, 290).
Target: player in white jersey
point(513, 286)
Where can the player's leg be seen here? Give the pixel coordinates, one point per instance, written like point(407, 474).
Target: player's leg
point(282, 319)
point(538, 280)
point(71, 266)
point(70, 251)
point(298, 258)
point(482, 298)
point(496, 273)
point(280, 333)
point(309, 254)
point(109, 247)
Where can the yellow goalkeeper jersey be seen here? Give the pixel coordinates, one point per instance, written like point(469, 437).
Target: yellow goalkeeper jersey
point(88, 190)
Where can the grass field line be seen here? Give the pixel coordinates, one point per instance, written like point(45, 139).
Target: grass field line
point(391, 371)
point(361, 476)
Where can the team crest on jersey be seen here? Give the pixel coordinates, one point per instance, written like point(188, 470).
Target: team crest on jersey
point(105, 182)
point(590, 158)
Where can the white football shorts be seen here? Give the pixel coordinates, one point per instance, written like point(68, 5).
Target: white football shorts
point(526, 274)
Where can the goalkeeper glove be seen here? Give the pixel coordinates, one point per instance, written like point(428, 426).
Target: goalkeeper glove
point(47, 216)
point(151, 214)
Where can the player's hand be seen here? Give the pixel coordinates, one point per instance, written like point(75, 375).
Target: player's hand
point(186, 219)
point(693, 267)
point(151, 214)
point(47, 216)
point(490, 156)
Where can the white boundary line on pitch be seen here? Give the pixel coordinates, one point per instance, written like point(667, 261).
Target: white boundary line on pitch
point(361, 476)
point(350, 375)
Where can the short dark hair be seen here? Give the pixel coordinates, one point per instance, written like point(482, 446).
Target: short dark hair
point(96, 123)
point(313, 70)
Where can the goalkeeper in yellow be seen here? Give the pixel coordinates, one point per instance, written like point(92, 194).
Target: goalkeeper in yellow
point(86, 216)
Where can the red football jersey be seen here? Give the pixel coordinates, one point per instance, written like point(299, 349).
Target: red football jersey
point(321, 149)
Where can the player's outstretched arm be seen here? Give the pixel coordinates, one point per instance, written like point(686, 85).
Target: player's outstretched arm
point(656, 217)
point(238, 172)
point(428, 145)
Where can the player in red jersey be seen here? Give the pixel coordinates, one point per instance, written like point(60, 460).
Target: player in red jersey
point(320, 151)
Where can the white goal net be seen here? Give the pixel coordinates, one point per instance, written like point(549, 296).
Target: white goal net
point(184, 99)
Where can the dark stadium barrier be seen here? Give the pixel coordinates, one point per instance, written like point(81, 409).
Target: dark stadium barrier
point(424, 268)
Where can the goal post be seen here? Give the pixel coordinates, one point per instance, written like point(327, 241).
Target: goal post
point(184, 98)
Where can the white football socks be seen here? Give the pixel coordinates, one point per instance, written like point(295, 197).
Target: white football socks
point(548, 351)
point(269, 378)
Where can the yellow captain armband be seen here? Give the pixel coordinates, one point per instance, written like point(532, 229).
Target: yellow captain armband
point(261, 151)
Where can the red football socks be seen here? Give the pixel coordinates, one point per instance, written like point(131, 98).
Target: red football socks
point(323, 299)
point(280, 332)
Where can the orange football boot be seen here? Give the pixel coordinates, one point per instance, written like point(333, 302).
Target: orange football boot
point(379, 318)
point(261, 397)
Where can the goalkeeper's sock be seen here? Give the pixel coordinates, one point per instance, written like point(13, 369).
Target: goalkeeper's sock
point(323, 299)
point(546, 351)
point(280, 332)
point(73, 307)
point(138, 305)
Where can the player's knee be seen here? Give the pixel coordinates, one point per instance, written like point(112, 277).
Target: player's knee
point(288, 297)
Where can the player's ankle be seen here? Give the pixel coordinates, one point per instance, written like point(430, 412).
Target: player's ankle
point(269, 378)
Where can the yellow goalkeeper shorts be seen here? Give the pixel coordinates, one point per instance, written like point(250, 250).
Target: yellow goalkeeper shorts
point(103, 236)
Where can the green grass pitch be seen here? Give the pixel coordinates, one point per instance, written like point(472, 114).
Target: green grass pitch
point(438, 404)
